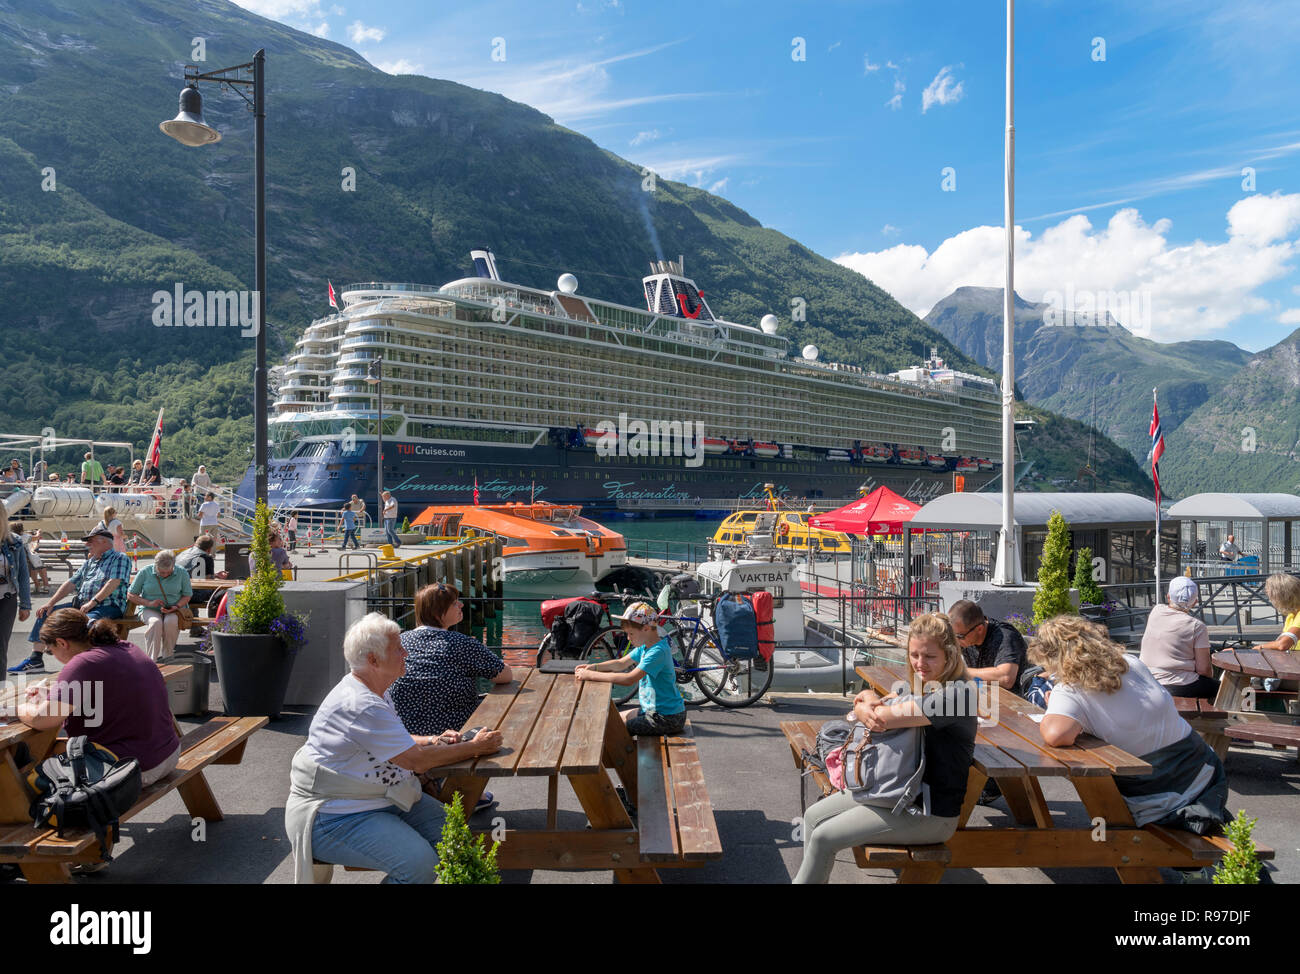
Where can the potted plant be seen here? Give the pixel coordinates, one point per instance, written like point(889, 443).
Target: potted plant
point(462, 858)
point(1053, 595)
point(1241, 865)
point(256, 643)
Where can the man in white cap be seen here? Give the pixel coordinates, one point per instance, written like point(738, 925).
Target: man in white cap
point(1176, 644)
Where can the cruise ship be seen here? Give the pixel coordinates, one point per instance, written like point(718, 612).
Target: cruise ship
point(501, 392)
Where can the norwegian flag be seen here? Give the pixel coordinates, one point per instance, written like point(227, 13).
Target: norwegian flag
point(155, 445)
point(333, 301)
point(476, 490)
point(1157, 447)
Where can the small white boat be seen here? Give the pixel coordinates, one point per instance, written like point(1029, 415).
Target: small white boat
point(766, 449)
point(714, 445)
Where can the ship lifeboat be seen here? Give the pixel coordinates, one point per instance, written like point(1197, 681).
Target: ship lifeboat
point(913, 457)
point(984, 464)
point(714, 445)
point(766, 449)
point(936, 462)
point(591, 437)
point(877, 454)
point(967, 465)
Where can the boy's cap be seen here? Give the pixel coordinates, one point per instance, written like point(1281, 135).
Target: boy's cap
point(640, 613)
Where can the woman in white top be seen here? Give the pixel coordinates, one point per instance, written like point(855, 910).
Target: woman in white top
point(201, 480)
point(357, 747)
point(1176, 644)
point(113, 526)
point(1101, 691)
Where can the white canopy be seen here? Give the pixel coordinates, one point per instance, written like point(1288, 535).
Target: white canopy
point(983, 512)
point(1237, 507)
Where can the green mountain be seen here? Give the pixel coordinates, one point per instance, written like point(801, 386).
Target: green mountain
point(99, 211)
point(1247, 434)
point(1076, 368)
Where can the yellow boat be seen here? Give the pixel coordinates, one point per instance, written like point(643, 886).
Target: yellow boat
point(784, 529)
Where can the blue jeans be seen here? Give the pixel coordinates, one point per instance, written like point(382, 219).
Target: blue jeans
point(350, 533)
point(98, 612)
point(390, 531)
point(401, 844)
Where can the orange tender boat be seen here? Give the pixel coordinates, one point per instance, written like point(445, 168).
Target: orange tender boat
point(542, 543)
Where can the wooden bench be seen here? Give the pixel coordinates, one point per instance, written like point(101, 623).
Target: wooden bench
point(674, 814)
point(125, 625)
point(46, 858)
point(1262, 732)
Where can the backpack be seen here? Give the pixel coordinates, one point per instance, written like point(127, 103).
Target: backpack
point(737, 627)
point(762, 605)
point(878, 768)
point(572, 623)
point(85, 787)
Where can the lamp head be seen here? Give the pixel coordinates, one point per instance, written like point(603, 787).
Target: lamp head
point(188, 127)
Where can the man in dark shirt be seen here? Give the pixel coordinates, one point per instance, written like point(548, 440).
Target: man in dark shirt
point(994, 650)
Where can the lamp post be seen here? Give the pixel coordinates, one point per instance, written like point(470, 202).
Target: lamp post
point(188, 128)
point(375, 376)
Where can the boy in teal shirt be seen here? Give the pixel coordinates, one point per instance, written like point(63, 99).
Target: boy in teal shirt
point(649, 663)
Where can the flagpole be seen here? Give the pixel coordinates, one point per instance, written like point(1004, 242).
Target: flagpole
point(1155, 406)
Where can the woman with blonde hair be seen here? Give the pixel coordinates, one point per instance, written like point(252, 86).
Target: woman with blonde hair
point(113, 525)
point(1283, 591)
point(1101, 691)
point(945, 705)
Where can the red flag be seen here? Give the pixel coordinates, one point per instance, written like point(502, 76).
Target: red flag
point(155, 445)
point(1157, 445)
point(333, 302)
point(476, 490)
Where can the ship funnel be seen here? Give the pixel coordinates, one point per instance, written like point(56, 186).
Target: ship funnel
point(485, 265)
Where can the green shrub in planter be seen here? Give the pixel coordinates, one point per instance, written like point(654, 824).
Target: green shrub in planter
point(1240, 866)
point(1090, 592)
point(462, 858)
point(1053, 595)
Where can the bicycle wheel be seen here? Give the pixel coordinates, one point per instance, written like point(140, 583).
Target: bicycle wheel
point(679, 643)
point(544, 649)
point(728, 682)
point(609, 643)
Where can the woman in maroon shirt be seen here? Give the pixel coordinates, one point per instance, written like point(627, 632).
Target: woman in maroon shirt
point(110, 691)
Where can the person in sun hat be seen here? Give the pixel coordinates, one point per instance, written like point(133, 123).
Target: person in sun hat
point(650, 665)
point(1176, 644)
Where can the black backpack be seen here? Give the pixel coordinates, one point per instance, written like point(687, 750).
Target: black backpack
point(86, 787)
point(571, 632)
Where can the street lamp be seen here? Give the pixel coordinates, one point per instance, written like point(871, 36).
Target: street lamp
point(375, 377)
point(188, 128)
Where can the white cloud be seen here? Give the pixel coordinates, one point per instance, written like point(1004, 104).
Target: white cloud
point(867, 66)
point(400, 66)
point(321, 30)
point(1196, 289)
point(889, 230)
point(282, 9)
point(360, 33)
point(1290, 317)
point(720, 185)
point(641, 138)
point(942, 91)
point(897, 101)
point(833, 46)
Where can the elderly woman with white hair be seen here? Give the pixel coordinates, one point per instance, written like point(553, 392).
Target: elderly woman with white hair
point(355, 796)
point(1176, 644)
point(160, 591)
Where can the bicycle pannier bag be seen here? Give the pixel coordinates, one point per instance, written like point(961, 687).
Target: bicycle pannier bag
point(762, 603)
point(737, 627)
point(581, 619)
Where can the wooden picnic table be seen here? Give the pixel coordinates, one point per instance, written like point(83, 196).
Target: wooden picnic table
point(554, 726)
point(40, 853)
point(1236, 696)
point(1009, 749)
point(214, 584)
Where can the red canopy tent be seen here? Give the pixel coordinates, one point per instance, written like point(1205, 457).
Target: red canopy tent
point(880, 512)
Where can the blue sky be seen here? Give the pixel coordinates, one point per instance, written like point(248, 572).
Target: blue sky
point(1129, 169)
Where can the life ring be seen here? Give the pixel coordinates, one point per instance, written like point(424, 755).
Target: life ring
point(785, 529)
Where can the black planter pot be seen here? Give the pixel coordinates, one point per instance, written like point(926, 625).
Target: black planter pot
point(253, 672)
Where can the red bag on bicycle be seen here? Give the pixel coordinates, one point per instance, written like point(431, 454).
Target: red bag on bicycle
point(762, 604)
point(554, 608)
point(572, 623)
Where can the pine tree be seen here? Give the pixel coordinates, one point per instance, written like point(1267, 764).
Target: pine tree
point(1240, 866)
point(461, 857)
point(1053, 595)
point(259, 602)
point(1090, 592)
